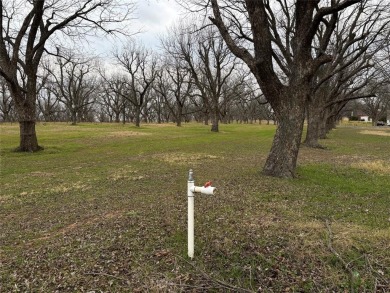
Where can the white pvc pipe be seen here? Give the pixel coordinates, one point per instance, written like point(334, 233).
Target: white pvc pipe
point(204, 190)
point(191, 190)
point(191, 200)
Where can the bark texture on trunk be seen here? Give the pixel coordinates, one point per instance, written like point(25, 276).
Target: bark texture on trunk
point(206, 118)
point(25, 104)
point(331, 123)
point(28, 137)
point(314, 117)
point(137, 117)
point(74, 117)
point(215, 120)
point(287, 96)
point(282, 159)
point(179, 115)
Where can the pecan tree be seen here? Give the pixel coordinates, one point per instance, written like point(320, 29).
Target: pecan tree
point(26, 27)
point(275, 39)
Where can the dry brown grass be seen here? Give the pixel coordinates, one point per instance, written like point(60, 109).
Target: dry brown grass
point(126, 134)
point(377, 166)
point(376, 132)
point(185, 158)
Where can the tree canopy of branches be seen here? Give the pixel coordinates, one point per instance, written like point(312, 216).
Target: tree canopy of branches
point(174, 84)
point(360, 34)
point(276, 39)
point(140, 69)
point(75, 85)
point(210, 62)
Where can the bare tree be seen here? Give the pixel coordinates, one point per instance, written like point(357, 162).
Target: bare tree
point(26, 26)
point(47, 102)
point(376, 107)
point(174, 83)
point(209, 61)
point(237, 96)
point(359, 35)
point(75, 86)
point(111, 96)
point(160, 109)
point(140, 67)
point(275, 41)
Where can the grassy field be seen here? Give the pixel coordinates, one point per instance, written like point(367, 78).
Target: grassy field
point(103, 209)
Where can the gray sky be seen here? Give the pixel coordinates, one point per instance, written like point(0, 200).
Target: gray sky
point(152, 18)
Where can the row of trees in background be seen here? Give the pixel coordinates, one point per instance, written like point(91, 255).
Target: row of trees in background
point(308, 57)
point(194, 78)
point(283, 60)
point(147, 89)
point(76, 90)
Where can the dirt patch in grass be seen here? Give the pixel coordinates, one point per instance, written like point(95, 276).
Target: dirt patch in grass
point(161, 125)
point(126, 134)
point(125, 173)
point(42, 174)
point(344, 234)
point(314, 155)
point(76, 186)
point(376, 132)
point(377, 166)
point(185, 159)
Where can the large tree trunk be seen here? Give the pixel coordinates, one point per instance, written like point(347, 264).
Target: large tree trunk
point(74, 116)
point(215, 126)
point(28, 137)
point(322, 129)
point(25, 104)
point(124, 116)
point(206, 118)
point(282, 159)
point(179, 114)
point(331, 123)
point(314, 117)
point(215, 120)
point(138, 117)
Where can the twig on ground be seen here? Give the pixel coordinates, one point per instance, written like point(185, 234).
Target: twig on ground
point(331, 248)
point(335, 253)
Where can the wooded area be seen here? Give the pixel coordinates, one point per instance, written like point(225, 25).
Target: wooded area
point(234, 61)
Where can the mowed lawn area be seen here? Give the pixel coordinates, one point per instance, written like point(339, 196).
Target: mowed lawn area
point(104, 209)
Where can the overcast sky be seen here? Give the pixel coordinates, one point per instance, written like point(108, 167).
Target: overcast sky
point(152, 18)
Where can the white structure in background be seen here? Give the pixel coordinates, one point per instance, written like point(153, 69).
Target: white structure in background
point(365, 118)
point(191, 190)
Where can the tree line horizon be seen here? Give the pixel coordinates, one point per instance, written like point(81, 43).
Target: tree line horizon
point(286, 61)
